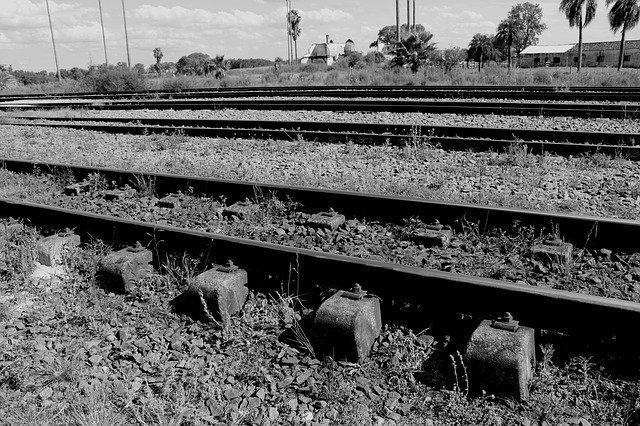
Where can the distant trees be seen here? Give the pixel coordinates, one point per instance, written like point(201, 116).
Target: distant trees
point(482, 49)
point(520, 29)
point(623, 15)
point(157, 54)
point(294, 19)
point(574, 11)
point(193, 64)
point(249, 63)
point(413, 48)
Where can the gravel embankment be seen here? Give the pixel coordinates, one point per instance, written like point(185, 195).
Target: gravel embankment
point(495, 121)
point(594, 185)
point(500, 254)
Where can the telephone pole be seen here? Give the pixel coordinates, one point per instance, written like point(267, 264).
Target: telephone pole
point(398, 20)
point(104, 40)
point(414, 15)
point(288, 33)
point(53, 41)
point(408, 15)
point(126, 34)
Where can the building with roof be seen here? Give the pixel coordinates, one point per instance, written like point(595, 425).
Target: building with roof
point(328, 52)
point(595, 54)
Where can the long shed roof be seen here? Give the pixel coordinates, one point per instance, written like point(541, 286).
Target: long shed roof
point(557, 48)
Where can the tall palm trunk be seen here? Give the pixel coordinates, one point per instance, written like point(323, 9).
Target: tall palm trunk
point(295, 41)
point(509, 54)
point(580, 41)
point(621, 58)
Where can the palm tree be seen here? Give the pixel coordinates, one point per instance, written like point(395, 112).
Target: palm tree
point(507, 32)
point(480, 48)
point(573, 11)
point(624, 15)
point(294, 28)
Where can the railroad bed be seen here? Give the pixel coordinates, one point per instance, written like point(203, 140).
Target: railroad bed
point(389, 229)
point(612, 94)
point(572, 143)
point(588, 110)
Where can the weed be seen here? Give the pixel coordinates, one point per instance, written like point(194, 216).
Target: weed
point(145, 185)
point(97, 182)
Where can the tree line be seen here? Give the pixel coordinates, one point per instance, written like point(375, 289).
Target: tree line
point(523, 26)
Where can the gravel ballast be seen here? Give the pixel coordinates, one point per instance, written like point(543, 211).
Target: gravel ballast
point(596, 185)
point(496, 121)
point(495, 253)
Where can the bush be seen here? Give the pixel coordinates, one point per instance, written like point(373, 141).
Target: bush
point(113, 79)
point(542, 76)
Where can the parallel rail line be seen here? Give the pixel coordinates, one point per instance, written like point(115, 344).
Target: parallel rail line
point(614, 94)
point(581, 230)
point(447, 137)
point(432, 291)
point(588, 110)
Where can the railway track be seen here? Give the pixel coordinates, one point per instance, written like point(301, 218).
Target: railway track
point(403, 288)
point(620, 111)
point(610, 94)
point(447, 137)
point(438, 292)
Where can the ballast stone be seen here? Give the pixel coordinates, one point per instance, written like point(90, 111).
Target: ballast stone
point(499, 361)
point(223, 289)
point(435, 235)
point(51, 249)
point(170, 201)
point(327, 220)
point(76, 189)
point(121, 270)
point(553, 251)
point(241, 209)
point(347, 324)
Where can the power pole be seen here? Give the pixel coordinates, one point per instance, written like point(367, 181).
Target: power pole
point(126, 34)
point(414, 15)
point(408, 15)
point(398, 20)
point(104, 40)
point(53, 41)
point(288, 34)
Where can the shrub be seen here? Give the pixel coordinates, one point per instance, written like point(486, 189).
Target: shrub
point(113, 78)
point(542, 76)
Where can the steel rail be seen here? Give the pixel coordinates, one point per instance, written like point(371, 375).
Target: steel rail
point(583, 231)
point(356, 92)
point(444, 142)
point(432, 291)
point(387, 129)
point(435, 107)
point(406, 88)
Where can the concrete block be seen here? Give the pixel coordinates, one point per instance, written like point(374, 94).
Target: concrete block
point(171, 201)
point(347, 324)
point(77, 188)
point(327, 220)
point(241, 209)
point(51, 249)
point(121, 270)
point(223, 288)
point(553, 251)
point(500, 359)
point(435, 235)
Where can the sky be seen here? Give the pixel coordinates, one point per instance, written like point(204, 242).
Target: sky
point(243, 28)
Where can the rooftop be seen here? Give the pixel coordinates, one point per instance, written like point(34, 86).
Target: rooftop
point(557, 48)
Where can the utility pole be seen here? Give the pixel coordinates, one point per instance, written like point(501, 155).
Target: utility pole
point(288, 34)
point(104, 40)
point(398, 20)
point(414, 15)
point(408, 15)
point(126, 34)
point(53, 41)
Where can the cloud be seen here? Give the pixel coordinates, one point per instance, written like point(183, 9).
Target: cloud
point(180, 17)
point(326, 15)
